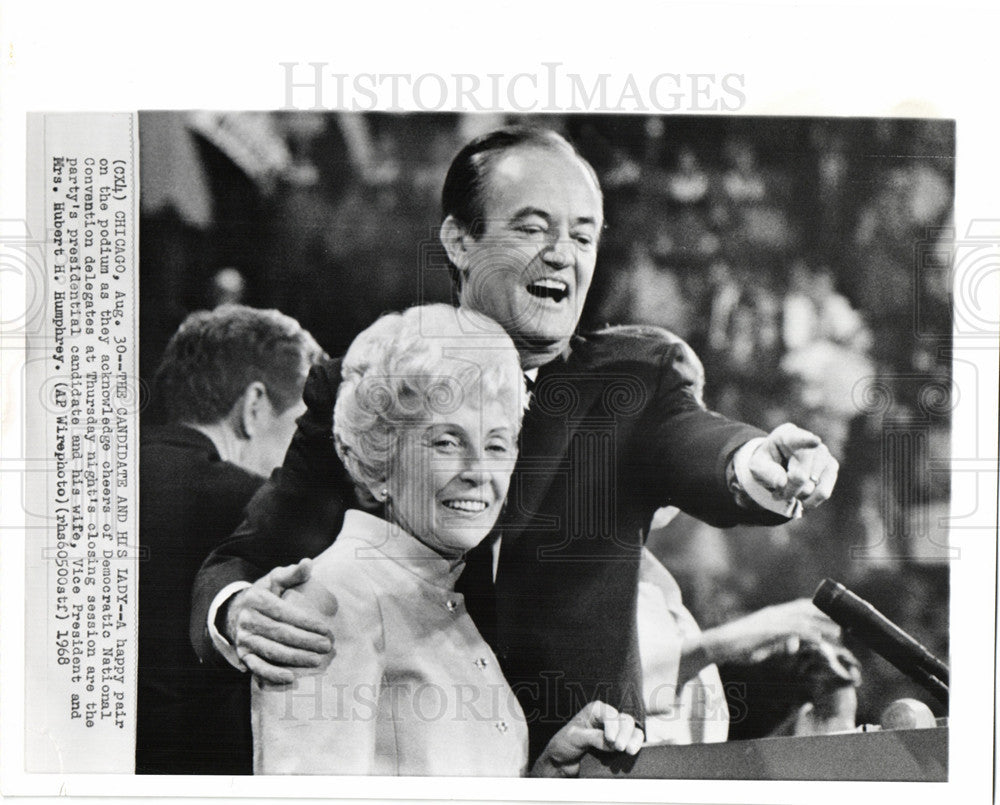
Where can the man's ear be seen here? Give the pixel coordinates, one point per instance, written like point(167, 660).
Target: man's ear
point(251, 409)
point(454, 237)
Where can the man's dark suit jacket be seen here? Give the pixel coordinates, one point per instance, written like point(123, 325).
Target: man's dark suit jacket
point(191, 719)
point(614, 431)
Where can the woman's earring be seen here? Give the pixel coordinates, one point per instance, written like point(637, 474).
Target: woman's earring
point(383, 494)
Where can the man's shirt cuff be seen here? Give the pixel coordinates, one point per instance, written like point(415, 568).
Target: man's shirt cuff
point(223, 646)
point(754, 490)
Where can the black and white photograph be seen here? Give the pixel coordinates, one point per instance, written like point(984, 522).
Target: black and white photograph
point(420, 402)
point(737, 384)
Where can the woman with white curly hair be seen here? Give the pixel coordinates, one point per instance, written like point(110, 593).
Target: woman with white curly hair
point(426, 421)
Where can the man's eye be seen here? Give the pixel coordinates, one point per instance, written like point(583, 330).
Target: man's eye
point(530, 229)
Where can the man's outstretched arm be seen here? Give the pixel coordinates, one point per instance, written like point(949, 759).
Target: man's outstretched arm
point(721, 471)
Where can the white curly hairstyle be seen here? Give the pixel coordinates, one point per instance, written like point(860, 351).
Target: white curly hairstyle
point(408, 366)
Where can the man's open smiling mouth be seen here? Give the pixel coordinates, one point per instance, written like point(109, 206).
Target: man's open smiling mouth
point(549, 288)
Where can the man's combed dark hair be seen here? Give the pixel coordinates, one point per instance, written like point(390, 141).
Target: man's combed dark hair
point(215, 355)
point(464, 186)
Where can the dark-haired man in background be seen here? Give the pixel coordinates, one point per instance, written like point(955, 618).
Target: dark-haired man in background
point(230, 385)
point(614, 432)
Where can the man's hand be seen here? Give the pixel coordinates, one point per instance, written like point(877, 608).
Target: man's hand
point(596, 726)
point(753, 637)
point(794, 463)
point(272, 635)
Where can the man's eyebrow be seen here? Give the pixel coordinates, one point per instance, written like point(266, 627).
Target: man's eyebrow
point(527, 212)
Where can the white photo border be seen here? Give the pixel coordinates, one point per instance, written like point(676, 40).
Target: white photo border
point(849, 59)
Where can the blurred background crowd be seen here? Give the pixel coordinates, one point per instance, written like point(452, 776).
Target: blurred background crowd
point(805, 260)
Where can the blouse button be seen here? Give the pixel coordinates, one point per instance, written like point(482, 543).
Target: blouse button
point(501, 727)
point(451, 605)
point(481, 663)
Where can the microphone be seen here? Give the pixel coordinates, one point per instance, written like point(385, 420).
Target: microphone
point(859, 618)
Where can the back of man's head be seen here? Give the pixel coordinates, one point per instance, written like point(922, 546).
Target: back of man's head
point(215, 355)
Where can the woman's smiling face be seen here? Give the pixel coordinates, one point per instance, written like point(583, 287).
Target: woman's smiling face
point(451, 473)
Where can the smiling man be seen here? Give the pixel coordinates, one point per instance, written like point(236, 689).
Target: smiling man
point(614, 431)
point(525, 247)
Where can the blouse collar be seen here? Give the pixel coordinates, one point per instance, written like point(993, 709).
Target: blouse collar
point(403, 548)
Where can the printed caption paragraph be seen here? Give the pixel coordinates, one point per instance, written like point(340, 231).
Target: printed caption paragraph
point(82, 565)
